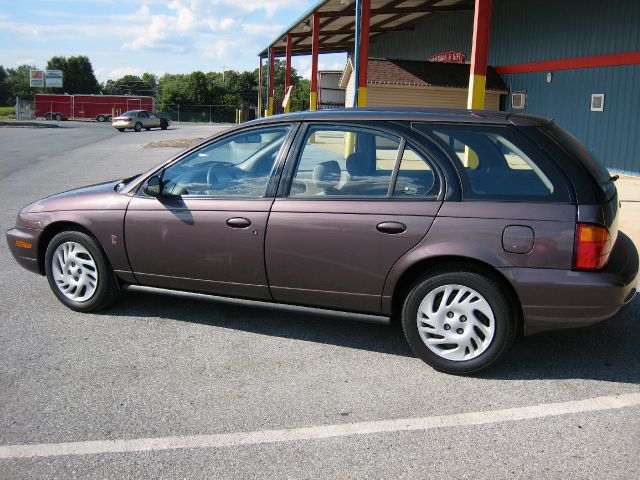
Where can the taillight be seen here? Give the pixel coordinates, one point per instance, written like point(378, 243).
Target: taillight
point(592, 247)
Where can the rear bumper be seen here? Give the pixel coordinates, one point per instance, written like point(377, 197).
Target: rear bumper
point(553, 299)
point(23, 243)
point(122, 124)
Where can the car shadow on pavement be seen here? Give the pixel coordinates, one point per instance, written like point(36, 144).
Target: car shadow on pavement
point(607, 351)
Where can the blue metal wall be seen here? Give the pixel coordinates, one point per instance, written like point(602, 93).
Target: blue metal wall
point(536, 30)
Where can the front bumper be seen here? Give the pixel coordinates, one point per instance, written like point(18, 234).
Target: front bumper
point(23, 243)
point(553, 299)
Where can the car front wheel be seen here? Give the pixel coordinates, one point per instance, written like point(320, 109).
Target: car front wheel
point(138, 127)
point(458, 322)
point(79, 273)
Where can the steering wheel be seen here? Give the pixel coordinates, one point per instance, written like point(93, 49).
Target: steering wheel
point(219, 175)
point(211, 177)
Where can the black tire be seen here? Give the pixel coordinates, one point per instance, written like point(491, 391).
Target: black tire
point(138, 127)
point(121, 129)
point(57, 117)
point(100, 118)
point(164, 125)
point(106, 289)
point(109, 118)
point(147, 128)
point(48, 116)
point(504, 321)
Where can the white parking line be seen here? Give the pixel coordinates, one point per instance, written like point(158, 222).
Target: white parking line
point(319, 432)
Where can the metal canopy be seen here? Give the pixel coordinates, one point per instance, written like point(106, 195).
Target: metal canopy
point(337, 24)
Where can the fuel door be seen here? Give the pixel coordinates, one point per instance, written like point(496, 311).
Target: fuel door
point(518, 239)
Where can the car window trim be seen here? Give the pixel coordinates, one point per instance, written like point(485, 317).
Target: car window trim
point(396, 168)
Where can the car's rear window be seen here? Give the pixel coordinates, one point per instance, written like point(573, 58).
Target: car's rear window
point(593, 166)
point(495, 164)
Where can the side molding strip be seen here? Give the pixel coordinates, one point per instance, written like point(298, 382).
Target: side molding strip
point(360, 317)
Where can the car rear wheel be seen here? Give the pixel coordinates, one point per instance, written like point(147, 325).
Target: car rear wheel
point(57, 117)
point(48, 116)
point(121, 129)
point(147, 128)
point(164, 125)
point(79, 273)
point(458, 322)
point(138, 127)
point(100, 118)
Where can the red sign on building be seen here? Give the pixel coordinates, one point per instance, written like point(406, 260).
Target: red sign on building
point(447, 57)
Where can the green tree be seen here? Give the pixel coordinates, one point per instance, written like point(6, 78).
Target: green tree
point(18, 83)
point(5, 94)
point(198, 89)
point(131, 85)
point(172, 89)
point(77, 74)
point(299, 92)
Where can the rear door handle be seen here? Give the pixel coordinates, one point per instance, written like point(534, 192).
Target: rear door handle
point(239, 222)
point(391, 227)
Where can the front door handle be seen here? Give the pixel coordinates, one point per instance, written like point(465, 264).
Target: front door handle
point(239, 222)
point(391, 227)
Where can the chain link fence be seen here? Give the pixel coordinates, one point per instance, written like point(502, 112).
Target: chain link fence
point(25, 110)
point(206, 113)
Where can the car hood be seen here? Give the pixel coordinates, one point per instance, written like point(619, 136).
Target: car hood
point(101, 196)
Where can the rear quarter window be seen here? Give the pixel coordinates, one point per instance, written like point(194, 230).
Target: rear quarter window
point(494, 163)
point(579, 153)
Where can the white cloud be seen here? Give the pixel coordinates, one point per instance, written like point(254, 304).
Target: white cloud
point(120, 72)
point(269, 6)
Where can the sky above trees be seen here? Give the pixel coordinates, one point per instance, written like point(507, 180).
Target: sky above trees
point(137, 36)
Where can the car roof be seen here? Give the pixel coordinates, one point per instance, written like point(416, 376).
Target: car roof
point(411, 114)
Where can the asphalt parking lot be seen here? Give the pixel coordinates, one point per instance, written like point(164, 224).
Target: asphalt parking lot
point(166, 388)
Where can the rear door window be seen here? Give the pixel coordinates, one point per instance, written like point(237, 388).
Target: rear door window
point(494, 163)
point(415, 177)
point(345, 161)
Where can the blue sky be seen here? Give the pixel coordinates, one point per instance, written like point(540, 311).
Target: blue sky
point(136, 36)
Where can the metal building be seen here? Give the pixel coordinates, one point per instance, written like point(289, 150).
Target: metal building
point(576, 61)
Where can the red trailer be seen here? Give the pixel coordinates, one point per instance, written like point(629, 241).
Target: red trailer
point(98, 107)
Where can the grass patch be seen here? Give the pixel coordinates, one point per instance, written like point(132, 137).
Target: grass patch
point(6, 111)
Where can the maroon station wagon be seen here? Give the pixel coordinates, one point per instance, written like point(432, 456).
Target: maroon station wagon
point(470, 227)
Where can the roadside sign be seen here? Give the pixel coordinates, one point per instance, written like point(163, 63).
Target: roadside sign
point(447, 57)
point(53, 78)
point(36, 78)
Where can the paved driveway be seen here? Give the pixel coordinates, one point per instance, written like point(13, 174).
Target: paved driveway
point(159, 387)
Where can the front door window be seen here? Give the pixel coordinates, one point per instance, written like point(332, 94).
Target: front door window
point(238, 166)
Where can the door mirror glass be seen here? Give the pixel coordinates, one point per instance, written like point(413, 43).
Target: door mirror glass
point(153, 186)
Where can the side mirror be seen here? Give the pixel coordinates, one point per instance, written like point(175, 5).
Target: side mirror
point(153, 186)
